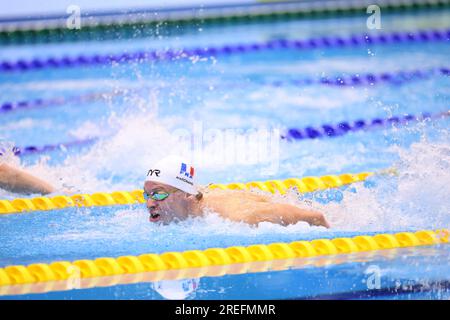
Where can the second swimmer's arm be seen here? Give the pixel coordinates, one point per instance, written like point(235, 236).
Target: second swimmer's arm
point(19, 181)
point(284, 214)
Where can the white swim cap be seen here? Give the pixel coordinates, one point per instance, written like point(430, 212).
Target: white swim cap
point(174, 172)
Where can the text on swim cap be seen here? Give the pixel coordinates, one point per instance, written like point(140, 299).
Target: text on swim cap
point(153, 171)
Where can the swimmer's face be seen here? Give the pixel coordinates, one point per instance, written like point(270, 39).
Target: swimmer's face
point(174, 207)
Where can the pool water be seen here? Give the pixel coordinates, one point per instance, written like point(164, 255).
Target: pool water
point(210, 108)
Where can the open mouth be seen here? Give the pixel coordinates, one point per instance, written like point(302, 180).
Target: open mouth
point(154, 217)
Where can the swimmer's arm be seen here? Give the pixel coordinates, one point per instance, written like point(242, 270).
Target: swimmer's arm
point(284, 214)
point(19, 181)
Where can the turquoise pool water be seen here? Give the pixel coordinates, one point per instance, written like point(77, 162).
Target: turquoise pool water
point(136, 110)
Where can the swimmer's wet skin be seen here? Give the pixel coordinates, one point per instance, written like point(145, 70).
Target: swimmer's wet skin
point(171, 194)
point(19, 181)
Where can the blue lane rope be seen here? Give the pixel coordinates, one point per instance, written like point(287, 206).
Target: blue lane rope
point(24, 151)
point(345, 127)
point(359, 79)
point(31, 104)
point(367, 79)
point(291, 134)
point(421, 36)
point(9, 106)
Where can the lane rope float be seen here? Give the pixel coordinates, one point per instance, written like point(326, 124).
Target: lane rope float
point(357, 79)
point(142, 23)
point(303, 185)
point(152, 262)
point(421, 36)
point(74, 281)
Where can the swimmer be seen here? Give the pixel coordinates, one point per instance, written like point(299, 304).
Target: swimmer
point(171, 194)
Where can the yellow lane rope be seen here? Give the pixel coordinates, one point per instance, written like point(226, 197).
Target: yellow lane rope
point(74, 281)
point(201, 259)
point(306, 184)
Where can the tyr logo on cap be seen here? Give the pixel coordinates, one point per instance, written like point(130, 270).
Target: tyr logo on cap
point(153, 171)
point(184, 171)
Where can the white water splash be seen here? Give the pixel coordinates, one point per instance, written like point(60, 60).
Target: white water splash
point(418, 197)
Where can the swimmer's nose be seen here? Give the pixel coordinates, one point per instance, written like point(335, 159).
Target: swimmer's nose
point(151, 205)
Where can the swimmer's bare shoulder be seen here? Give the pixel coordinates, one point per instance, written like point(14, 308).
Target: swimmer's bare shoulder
point(253, 208)
point(227, 202)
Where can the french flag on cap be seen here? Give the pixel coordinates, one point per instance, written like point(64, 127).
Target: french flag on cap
point(184, 170)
